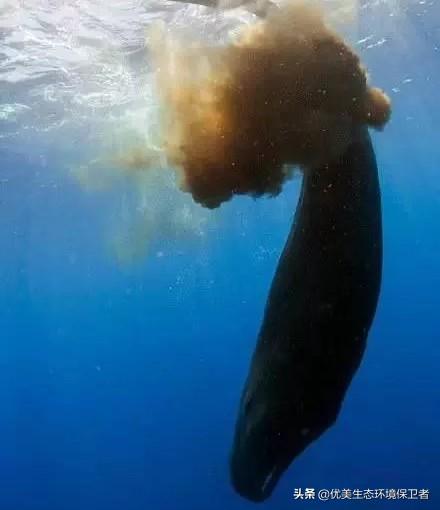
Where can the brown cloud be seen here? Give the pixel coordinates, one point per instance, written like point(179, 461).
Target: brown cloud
point(286, 92)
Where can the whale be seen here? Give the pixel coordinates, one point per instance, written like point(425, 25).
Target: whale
point(320, 307)
point(318, 314)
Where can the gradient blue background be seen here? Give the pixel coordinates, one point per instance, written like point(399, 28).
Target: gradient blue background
point(119, 386)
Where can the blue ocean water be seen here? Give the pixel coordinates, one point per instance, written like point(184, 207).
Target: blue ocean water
point(120, 379)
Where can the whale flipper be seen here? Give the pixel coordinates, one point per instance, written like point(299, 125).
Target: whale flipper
point(320, 308)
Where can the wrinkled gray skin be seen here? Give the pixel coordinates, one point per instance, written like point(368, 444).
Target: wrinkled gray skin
point(320, 308)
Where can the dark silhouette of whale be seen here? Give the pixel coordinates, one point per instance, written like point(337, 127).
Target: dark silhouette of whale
point(320, 307)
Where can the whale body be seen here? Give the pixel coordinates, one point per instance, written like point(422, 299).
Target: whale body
point(320, 307)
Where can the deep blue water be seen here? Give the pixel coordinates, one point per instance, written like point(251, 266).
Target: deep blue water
point(119, 386)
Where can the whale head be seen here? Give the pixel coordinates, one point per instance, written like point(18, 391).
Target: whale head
point(275, 424)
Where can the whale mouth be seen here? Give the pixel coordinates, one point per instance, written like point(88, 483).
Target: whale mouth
point(254, 467)
point(268, 480)
point(251, 484)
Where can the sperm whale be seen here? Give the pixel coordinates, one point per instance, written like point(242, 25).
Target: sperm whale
point(320, 307)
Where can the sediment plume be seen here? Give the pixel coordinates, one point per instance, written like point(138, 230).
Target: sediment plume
point(285, 93)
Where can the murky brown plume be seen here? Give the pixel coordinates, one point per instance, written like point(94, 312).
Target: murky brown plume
point(285, 93)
